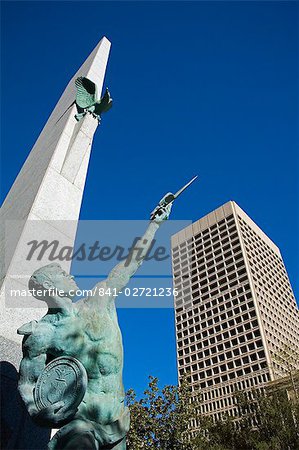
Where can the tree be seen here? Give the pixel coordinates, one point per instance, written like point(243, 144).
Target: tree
point(161, 420)
point(267, 421)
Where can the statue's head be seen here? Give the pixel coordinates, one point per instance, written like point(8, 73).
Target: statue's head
point(52, 281)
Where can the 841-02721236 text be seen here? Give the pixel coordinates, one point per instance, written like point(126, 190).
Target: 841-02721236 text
point(139, 292)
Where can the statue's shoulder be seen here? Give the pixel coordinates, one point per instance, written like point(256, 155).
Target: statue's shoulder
point(38, 337)
point(36, 327)
point(28, 328)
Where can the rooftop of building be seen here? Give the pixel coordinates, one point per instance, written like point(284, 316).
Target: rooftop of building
point(216, 216)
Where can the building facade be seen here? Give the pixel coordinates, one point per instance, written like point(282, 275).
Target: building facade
point(237, 322)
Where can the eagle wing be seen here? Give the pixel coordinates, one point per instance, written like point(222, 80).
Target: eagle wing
point(104, 104)
point(86, 92)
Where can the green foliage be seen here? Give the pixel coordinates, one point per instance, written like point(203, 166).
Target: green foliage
point(162, 418)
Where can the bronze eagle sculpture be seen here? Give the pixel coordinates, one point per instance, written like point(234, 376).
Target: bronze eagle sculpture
point(87, 99)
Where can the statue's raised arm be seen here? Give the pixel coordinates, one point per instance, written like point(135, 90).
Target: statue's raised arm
point(120, 275)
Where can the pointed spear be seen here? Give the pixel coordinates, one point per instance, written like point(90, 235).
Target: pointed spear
point(168, 199)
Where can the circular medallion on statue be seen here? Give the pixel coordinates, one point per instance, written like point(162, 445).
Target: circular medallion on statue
point(63, 379)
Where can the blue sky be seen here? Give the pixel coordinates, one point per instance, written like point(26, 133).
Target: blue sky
point(207, 88)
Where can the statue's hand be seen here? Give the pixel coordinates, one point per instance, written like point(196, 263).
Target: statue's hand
point(53, 414)
point(47, 415)
point(161, 213)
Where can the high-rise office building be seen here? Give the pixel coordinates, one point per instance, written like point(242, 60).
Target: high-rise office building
point(236, 315)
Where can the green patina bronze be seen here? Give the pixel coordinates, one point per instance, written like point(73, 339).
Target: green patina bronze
point(74, 338)
point(87, 99)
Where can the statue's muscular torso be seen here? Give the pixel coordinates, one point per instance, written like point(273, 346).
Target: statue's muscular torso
point(90, 333)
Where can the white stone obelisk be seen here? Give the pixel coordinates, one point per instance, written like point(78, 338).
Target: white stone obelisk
point(45, 199)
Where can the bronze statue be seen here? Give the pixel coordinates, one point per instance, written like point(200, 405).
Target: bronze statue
point(72, 335)
point(87, 99)
point(71, 371)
